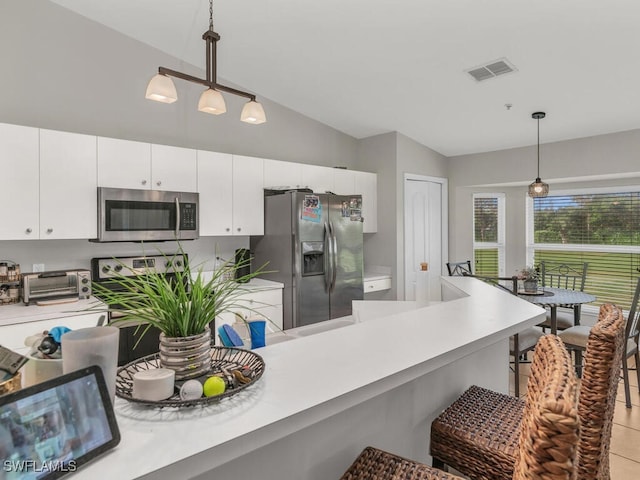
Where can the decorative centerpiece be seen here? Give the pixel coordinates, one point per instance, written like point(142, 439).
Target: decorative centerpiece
point(182, 306)
point(529, 276)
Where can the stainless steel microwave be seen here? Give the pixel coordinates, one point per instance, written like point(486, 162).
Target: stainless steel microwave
point(127, 215)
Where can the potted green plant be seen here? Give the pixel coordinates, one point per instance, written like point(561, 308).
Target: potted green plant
point(529, 276)
point(182, 307)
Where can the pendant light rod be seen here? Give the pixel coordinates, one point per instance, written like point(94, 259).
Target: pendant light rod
point(538, 188)
point(537, 116)
point(214, 85)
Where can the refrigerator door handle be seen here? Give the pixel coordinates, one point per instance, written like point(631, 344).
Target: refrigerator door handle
point(327, 257)
point(334, 257)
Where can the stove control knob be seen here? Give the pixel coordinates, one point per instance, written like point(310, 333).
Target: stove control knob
point(168, 264)
point(178, 263)
point(85, 280)
point(118, 268)
point(85, 289)
point(106, 268)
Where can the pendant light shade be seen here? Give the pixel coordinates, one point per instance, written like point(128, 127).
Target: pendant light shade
point(161, 89)
point(212, 101)
point(538, 188)
point(252, 112)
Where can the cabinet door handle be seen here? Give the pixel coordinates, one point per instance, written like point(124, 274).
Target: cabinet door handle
point(49, 230)
point(227, 229)
point(158, 183)
point(144, 182)
point(239, 229)
point(28, 230)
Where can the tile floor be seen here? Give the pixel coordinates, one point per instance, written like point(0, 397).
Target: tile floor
point(625, 437)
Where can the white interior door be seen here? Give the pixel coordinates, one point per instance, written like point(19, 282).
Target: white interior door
point(423, 233)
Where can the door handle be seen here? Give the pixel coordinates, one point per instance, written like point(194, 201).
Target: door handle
point(334, 257)
point(326, 240)
point(177, 218)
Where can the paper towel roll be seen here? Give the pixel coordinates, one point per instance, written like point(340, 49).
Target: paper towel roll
point(422, 288)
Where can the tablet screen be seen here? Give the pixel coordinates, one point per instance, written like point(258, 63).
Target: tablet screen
point(50, 429)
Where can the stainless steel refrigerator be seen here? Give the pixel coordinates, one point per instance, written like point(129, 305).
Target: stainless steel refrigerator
point(313, 243)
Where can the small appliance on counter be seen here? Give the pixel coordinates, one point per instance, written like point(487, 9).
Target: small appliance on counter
point(131, 346)
point(243, 258)
point(10, 279)
point(56, 286)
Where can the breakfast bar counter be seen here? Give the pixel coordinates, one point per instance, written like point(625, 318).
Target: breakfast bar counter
point(324, 397)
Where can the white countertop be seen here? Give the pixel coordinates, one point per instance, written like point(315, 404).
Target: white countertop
point(21, 313)
point(309, 379)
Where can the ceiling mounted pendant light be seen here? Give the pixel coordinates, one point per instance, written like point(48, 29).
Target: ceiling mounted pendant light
point(538, 188)
point(162, 89)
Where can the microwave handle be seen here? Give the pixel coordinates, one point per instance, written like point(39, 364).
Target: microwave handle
point(177, 218)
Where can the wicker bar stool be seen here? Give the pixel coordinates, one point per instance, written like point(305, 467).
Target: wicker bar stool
point(478, 434)
point(547, 444)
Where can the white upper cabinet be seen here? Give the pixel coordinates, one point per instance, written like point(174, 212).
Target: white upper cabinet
point(366, 184)
point(248, 196)
point(124, 164)
point(146, 166)
point(344, 182)
point(19, 159)
point(317, 178)
point(68, 185)
point(215, 186)
point(173, 169)
point(279, 174)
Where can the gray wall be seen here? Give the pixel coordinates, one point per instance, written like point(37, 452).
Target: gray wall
point(392, 155)
point(603, 160)
point(62, 71)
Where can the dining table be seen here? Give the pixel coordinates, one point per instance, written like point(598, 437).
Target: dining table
point(552, 298)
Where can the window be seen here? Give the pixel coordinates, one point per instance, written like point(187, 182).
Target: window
point(488, 236)
point(601, 227)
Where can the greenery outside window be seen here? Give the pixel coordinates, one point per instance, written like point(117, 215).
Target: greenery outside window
point(599, 226)
point(489, 234)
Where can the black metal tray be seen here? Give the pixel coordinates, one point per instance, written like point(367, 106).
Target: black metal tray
point(222, 359)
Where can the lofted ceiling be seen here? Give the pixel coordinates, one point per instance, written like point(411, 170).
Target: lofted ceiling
point(367, 67)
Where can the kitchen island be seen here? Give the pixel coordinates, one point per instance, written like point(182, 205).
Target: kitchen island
point(324, 397)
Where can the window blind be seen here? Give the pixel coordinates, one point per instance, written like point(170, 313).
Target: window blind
point(602, 229)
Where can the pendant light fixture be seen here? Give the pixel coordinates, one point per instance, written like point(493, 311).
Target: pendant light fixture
point(162, 89)
point(538, 188)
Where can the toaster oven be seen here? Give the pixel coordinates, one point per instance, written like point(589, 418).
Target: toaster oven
point(45, 287)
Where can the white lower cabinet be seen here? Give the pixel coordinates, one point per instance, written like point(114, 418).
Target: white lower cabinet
point(262, 303)
point(68, 185)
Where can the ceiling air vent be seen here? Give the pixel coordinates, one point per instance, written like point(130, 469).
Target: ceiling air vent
point(491, 69)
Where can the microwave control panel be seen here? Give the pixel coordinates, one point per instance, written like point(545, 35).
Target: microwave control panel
point(188, 216)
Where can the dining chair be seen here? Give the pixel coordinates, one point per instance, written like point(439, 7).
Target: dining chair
point(576, 339)
point(459, 269)
point(478, 433)
point(547, 442)
point(522, 342)
point(570, 276)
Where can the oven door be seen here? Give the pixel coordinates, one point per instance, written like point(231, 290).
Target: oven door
point(126, 215)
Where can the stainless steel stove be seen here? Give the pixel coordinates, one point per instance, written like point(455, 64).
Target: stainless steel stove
point(103, 270)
